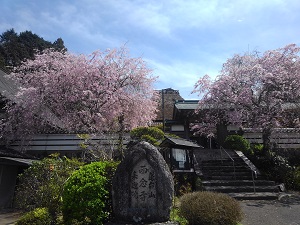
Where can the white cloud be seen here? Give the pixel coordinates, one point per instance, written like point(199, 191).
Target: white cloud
point(166, 16)
point(150, 17)
point(181, 39)
point(179, 75)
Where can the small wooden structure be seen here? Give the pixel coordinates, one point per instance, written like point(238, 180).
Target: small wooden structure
point(179, 154)
point(10, 168)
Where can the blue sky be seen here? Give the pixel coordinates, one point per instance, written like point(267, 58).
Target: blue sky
point(181, 40)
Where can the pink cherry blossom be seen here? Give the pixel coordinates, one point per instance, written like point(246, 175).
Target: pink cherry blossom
point(64, 92)
point(252, 90)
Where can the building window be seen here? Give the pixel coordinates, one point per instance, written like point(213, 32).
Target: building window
point(177, 127)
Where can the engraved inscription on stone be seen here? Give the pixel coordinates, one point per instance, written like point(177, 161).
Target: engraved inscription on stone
point(143, 188)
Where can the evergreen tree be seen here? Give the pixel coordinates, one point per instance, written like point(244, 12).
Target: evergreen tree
point(15, 48)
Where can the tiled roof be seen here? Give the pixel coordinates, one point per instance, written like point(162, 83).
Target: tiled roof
point(16, 161)
point(180, 142)
point(187, 105)
point(7, 87)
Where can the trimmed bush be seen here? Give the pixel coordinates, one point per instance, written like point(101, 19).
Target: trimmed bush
point(151, 134)
point(237, 142)
point(39, 216)
point(150, 139)
point(209, 208)
point(87, 194)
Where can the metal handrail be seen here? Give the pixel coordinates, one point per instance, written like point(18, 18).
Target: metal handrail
point(223, 149)
point(254, 173)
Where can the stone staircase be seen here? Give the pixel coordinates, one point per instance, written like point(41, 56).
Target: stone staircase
point(236, 176)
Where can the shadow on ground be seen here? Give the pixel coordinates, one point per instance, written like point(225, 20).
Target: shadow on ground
point(284, 211)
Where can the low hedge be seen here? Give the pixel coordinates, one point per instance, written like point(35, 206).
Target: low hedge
point(209, 208)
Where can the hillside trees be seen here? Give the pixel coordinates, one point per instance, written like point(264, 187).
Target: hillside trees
point(101, 92)
point(252, 90)
point(15, 48)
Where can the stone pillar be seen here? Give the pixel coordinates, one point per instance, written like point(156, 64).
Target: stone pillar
point(142, 186)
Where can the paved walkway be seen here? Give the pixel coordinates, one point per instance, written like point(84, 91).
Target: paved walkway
point(8, 217)
point(285, 211)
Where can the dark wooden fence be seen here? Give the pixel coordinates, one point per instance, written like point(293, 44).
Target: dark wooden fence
point(283, 138)
point(67, 144)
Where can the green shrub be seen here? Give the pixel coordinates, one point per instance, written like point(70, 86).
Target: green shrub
point(152, 134)
point(257, 149)
point(160, 126)
point(198, 184)
point(150, 139)
point(41, 185)
point(175, 215)
point(237, 142)
point(39, 216)
point(296, 180)
point(183, 183)
point(276, 167)
point(208, 208)
point(292, 179)
point(87, 194)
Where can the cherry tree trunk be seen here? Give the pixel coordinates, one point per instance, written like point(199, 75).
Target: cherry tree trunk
point(266, 136)
point(120, 153)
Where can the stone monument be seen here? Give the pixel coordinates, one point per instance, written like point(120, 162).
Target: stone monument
point(142, 186)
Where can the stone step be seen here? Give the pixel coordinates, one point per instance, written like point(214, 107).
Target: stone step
point(254, 196)
point(211, 165)
point(238, 189)
point(223, 158)
point(229, 173)
point(218, 175)
point(225, 168)
point(222, 162)
point(238, 183)
point(229, 177)
point(232, 174)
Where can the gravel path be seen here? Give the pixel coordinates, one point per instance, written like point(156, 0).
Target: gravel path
point(285, 211)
